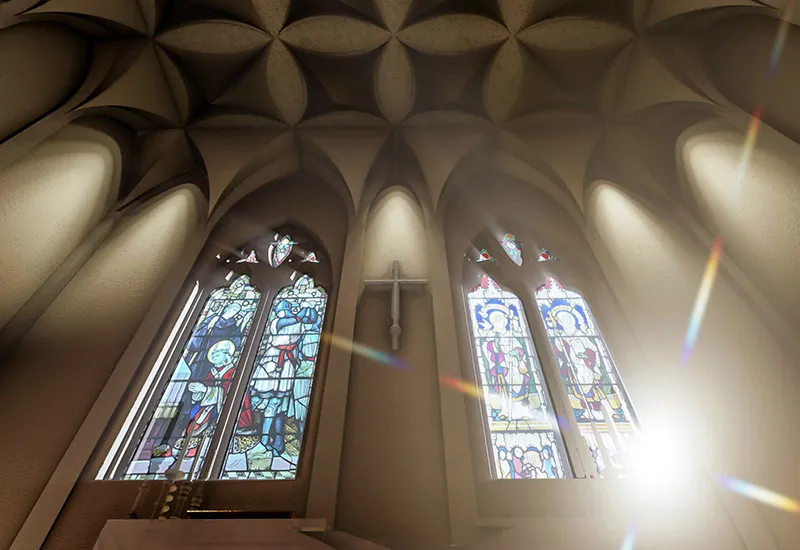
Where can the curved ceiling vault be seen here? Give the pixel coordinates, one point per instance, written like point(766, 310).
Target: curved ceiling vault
point(230, 86)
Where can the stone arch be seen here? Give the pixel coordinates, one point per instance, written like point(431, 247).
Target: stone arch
point(736, 53)
point(68, 353)
point(41, 66)
point(51, 200)
point(759, 221)
point(655, 267)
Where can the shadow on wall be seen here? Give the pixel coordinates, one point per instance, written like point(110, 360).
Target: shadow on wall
point(55, 373)
point(736, 52)
point(41, 65)
point(50, 200)
point(759, 221)
point(730, 407)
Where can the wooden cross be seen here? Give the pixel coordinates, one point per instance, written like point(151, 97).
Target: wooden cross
point(394, 284)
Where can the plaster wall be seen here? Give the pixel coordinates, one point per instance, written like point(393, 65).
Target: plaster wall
point(41, 64)
point(758, 218)
point(395, 231)
point(392, 482)
point(737, 56)
point(301, 199)
point(730, 407)
point(572, 513)
point(53, 376)
point(49, 201)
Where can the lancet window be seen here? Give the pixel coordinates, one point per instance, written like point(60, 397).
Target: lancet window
point(229, 394)
point(545, 415)
point(593, 386)
point(520, 418)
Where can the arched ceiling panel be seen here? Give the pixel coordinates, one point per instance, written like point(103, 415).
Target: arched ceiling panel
point(418, 65)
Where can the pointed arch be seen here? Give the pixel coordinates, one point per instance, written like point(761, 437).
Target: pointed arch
point(268, 439)
point(520, 419)
point(210, 357)
point(594, 388)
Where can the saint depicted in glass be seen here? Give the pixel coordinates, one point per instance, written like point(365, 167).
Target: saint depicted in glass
point(512, 248)
point(595, 392)
point(193, 398)
point(522, 425)
point(280, 250)
point(268, 438)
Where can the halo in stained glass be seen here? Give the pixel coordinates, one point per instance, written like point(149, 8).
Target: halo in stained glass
point(249, 259)
point(520, 418)
point(512, 248)
point(587, 371)
point(194, 395)
point(268, 438)
point(484, 256)
point(545, 256)
point(310, 258)
point(280, 250)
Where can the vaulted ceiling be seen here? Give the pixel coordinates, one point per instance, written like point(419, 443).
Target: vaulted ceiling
point(243, 89)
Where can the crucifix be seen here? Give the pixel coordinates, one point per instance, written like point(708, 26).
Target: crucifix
point(394, 284)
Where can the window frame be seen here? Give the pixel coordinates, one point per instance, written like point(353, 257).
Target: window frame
point(470, 282)
point(517, 280)
point(634, 417)
point(119, 450)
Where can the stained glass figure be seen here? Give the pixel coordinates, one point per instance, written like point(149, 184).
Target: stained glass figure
point(249, 259)
point(280, 250)
point(512, 248)
point(192, 400)
point(269, 435)
point(484, 256)
point(588, 372)
point(522, 425)
point(310, 258)
point(545, 256)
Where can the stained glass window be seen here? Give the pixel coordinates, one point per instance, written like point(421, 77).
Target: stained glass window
point(195, 393)
point(269, 433)
point(598, 400)
point(521, 421)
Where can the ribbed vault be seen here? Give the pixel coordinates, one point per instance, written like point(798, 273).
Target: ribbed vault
point(234, 88)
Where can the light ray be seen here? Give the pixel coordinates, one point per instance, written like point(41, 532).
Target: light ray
point(630, 538)
point(462, 386)
point(365, 351)
point(701, 302)
point(765, 496)
point(780, 39)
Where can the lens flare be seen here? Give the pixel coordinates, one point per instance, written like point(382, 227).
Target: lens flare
point(701, 302)
point(780, 40)
point(630, 538)
point(365, 351)
point(760, 494)
point(461, 385)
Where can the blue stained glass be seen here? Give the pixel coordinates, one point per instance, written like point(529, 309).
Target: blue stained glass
point(200, 380)
point(269, 434)
point(595, 393)
point(280, 250)
point(519, 416)
point(512, 248)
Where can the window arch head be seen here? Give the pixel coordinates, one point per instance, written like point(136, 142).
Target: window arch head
point(268, 437)
point(594, 388)
point(229, 393)
point(520, 420)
